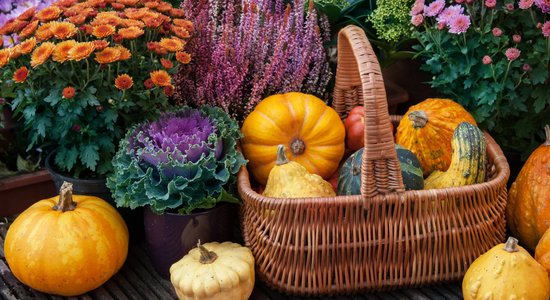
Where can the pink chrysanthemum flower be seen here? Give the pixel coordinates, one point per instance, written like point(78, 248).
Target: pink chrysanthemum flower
point(544, 5)
point(434, 8)
point(510, 6)
point(525, 4)
point(487, 60)
point(546, 29)
point(526, 67)
point(448, 13)
point(416, 20)
point(516, 38)
point(459, 24)
point(491, 3)
point(497, 32)
point(512, 53)
point(459, 1)
point(417, 8)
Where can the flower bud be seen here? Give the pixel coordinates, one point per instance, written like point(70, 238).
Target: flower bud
point(516, 38)
point(487, 60)
point(497, 32)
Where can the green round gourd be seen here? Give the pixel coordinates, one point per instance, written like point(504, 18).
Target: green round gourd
point(349, 180)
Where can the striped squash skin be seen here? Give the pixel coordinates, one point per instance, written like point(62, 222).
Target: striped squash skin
point(67, 253)
point(468, 160)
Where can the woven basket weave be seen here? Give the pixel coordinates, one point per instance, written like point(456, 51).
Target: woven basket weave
point(386, 237)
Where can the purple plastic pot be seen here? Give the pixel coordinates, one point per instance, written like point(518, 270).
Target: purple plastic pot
point(170, 236)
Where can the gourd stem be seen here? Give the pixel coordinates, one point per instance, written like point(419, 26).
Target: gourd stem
point(281, 157)
point(65, 202)
point(297, 146)
point(207, 257)
point(511, 245)
point(418, 118)
point(547, 131)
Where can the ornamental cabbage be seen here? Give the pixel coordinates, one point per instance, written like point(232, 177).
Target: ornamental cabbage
point(182, 161)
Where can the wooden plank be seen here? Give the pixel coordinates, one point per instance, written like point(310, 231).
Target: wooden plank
point(143, 259)
point(112, 287)
point(5, 291)
point(140, 286)
point(100, 293)
point(152, 279)
point(126, 287)
point(415, 294)
point(446, 293)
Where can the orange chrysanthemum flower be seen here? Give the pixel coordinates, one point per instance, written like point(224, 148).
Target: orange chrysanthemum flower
point(183, 57)
point(180, 32)
point(186, 24)
point(20, 75)
point(118, 6)
point(171, 45)
point(29, 29)
point(4, 56)
point(161, 78)
point(177, 13)
point(128, 2)
point(132, 23)
point(8, 28)
point(69, 92)
point(164, 7)
point(130, 33)
point(66, 3)
point(78, 19)
point(41, 54)
point(15, 51)
point(107, 55)
point(81, 51)
point(63, 30)
point(61, 51)
point(148, 83)
point(151, 4)
point(49, 13)
point(124, 53)
point(28, 45)
point(124, 82)
point(43, 32)
point(168, 90)
point(100, 44)
point(152, 22)
point(134, 13)
point(166, 63)
point(27, 14)
point(104, 30)
point(106, 18)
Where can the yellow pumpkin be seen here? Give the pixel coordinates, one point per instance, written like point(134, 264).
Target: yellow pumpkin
point(214, 271)
point(66, 245)
point(289, 179)
point(311, 131)
point(506, 271)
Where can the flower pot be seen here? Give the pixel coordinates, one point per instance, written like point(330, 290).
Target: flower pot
point(170, 236)
point(19, 192)
point(98, 188)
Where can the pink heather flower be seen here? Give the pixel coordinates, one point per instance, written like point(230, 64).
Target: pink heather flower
point(434, 8)
point(416, 20)
point(459, 24)
point(510, 6)
point(546, 29)
point(417, 8)
point(448, 13)
point(544, 5)
point(516, 38)
point(491, 3)
point(512, 53)
point(525, 4)
point(497, 32)
point(487, 60)
point(526, 67)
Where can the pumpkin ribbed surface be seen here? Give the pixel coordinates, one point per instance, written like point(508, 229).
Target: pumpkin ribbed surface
point(311, 132)
point(427, 129)
point(67, 253)
point(528, 210)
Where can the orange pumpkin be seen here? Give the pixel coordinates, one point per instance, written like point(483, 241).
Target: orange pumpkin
point(427, 129)
point(311, 132)
point(542, 251)
point(528, 210)
point(66, 247)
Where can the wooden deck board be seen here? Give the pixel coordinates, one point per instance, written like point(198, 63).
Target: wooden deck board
point(138, 280)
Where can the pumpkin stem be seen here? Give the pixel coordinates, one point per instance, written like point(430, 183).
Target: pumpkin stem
point(65, 202)
point(297, 146)
point(207, 257)
point(418, 118)
point(281, 156)
point(511, 245)
point(547, 131)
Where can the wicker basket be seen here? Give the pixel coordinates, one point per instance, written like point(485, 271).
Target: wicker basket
point(386, 237)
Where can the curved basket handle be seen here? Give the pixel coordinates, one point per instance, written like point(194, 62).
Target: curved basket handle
point(359, 81)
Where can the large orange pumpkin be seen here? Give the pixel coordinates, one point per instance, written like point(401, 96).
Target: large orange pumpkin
point(68, 247)
point(427, 129)
point(528, 210)
point(311, 132)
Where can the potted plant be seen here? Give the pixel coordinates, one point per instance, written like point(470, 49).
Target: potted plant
point(493, 58)
point(84, 71)
point(181, 168)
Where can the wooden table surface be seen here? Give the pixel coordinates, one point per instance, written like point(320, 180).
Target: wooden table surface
point(138, 280)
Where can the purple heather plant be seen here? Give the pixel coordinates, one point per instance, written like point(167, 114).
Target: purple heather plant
point(246, 50)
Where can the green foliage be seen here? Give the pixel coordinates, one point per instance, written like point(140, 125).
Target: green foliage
point(391, 20)
point(509, 98)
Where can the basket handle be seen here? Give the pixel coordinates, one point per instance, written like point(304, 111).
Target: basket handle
point(359, 81)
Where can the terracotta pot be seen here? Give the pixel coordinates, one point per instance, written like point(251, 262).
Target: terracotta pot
point(19, 192)
point(170, 236)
